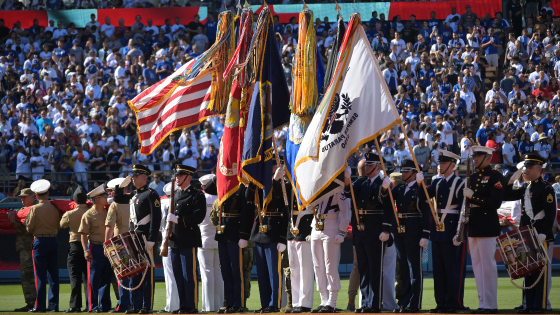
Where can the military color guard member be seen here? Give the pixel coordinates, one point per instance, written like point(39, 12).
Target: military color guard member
point(190, 210)
point(538, 210)
point(77, 264)
point(448, 193)
point(171, 295)
point(485, 195)
point(43, 221)
point(92, 229)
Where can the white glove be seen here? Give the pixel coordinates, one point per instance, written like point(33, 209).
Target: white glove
point(308, 238)
point(242, 243)
point(542, 238)
point(149, 246)
point(455, 241)
point(424, 242)
point(467, 192)
point(281, 247)
point(172, 218)
point(126, 181)
point(384, 237)
point(279, 173)
point(386, 182)
point(347, 172)
point(515, 176)
point(419, 178)
point(338, 239)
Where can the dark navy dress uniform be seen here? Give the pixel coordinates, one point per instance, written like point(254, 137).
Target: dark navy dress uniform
point(448, 194)
point(540, 214)
point(414, 215)
point(236, 221)
point(190, 210)
point(369, 248)
point(146, 218)
point(267, 257)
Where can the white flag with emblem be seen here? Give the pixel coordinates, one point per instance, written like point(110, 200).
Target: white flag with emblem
point(356, 108)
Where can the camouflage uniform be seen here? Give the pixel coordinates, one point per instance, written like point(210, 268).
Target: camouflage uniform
point(287, 282)
point(24, 242)
point(247, 267)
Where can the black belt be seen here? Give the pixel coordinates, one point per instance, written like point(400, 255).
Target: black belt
point(96, 243)
point(370, 211)
point(230, 215)
point(272, 214)
point(410, 215)
point(45, 235)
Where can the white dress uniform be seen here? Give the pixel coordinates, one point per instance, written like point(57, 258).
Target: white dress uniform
point(171, 293)
point(209, 259)
point(325, 245)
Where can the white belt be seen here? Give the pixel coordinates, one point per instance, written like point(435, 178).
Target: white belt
point(333, 215)
point(451, 211)
point(145, 220)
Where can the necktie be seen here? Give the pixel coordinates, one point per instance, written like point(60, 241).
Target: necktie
point(528, 205)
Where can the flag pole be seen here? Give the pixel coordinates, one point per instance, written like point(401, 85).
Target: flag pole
point(390, 192)
point(358, 224)
point(418, 170)
point(279, 165)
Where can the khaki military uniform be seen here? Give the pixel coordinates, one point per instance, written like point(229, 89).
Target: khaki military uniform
point(118, 217)
point(76, 263)
point(43, 222)
point(99, 269)
point(24, 243)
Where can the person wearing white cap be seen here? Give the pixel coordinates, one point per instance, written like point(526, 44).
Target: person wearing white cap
point(100, 273)
point(43, 222)
point(485, 196)
point(171, 294)
point(118, 217)
point(448, 193)
point(208, 257)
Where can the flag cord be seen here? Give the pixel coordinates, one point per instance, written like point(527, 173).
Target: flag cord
point(386, 174)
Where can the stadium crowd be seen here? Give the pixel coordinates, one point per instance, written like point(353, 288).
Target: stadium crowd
point(64, 91)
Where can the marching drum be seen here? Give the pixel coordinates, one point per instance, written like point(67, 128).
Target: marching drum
point(126, 254)
point(522, 252)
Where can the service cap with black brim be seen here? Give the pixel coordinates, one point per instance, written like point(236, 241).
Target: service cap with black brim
point(139, 169)
point(97, 191)
point(181, 169)
point(533, 159)
point(447, 156)
point(40, 186)
point(408, 165)
point(479, 150)
point(372, 158)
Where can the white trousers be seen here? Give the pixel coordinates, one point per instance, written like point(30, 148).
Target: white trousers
point(485, 270)
point(492, 60)
point(212, 282)
point(389, 268)
point(326, 257)
point(82, 179)
point(171, 294)
point(301, 262)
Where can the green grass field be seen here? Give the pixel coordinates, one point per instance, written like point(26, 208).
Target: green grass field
point(11, 296)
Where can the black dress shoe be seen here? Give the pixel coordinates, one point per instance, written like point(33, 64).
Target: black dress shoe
point(327, 309)
point(435, 310)
point(296, 310)
point(258, 311)
point(222, 310)
point(270, 309)
point(397, 310)
point(160, 311)
point(523, 311)
point(74, 310)
point(410, 310)
point(493, 311)
point(114, 310)
point(232, 310)
point(132, 311)
point(145, 311)
point(520, 307)
point(477, 311)
point(188, 311)
point(320, 307)
point(301, 309)
point(464, 308)
point(448, 311)
point(536, 312)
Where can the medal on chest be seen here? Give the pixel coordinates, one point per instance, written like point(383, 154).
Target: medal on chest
point(485, 179)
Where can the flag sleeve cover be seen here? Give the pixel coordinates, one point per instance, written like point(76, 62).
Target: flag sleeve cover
point(357, 107)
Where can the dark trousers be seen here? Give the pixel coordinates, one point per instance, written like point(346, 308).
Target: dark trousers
point(409, 254)
point(143, 297)
point(231, 263)
point(535, 298)
point(444, 260)
point(100, 274)
point(268, 261)
point(45, 264)
point(461, 271)
point(77, 270)
point(369, 253)
point(183, 261)
point(124, 296)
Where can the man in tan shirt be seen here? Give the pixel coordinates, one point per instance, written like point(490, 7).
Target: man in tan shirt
point(92, 229)
point(118, 217)
point(42, 222)
point(77, 264)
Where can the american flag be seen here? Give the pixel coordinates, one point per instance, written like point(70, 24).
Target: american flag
point(171, 105)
